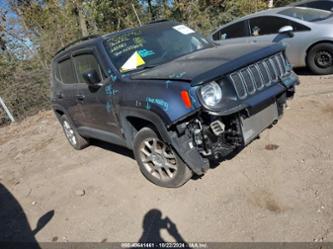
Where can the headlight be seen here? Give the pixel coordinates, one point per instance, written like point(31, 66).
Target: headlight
point(211, 94)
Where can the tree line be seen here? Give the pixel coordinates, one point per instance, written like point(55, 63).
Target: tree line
point(31, 31)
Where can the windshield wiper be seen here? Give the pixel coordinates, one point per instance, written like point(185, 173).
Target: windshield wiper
point(143, 67)
point(146, 67)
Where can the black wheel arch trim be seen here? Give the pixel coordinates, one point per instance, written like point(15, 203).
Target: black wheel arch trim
point(190, 156)
point(130, 112)
point(58, 108)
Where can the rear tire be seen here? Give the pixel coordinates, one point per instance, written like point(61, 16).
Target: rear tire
point(78, 142)
point(158, 162)
point(320, 59)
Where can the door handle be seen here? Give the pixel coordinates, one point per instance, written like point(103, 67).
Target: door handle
point(59, 95)
point(80, 97)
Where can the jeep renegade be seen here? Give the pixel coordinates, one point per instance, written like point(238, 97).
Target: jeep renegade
point(174, 98)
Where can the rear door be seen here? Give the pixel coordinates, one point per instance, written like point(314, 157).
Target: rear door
point(66, 87)
point(236, 33)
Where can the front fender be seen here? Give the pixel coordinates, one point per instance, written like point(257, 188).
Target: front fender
point(162, 98)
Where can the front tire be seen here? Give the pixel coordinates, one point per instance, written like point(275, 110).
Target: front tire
point(158, 162)
point(320, 59)
point(78, 142)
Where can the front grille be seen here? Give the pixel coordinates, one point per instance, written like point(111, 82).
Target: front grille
point(256, 76)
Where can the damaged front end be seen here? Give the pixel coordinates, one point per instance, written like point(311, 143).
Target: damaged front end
point(248, 108)
point(207, 138)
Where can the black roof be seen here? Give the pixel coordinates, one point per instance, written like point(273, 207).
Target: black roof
point(77, 41)
point(92, 37)
point(154, 24)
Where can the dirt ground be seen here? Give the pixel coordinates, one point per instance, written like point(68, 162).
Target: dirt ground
point(280, 188)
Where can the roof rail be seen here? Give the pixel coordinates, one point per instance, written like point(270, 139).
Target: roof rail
point(76, 41)
point(158, 21)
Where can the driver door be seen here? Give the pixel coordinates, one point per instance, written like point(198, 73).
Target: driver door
point(265, 29)
point(95, 106)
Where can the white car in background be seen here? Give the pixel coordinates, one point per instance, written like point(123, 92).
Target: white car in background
point(316, 4)
point(307, 32)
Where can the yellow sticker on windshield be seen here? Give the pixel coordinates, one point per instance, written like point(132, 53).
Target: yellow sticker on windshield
point(133, 62)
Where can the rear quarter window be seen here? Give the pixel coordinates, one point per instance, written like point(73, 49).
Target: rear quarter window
point(55, 71)
point(65, 72)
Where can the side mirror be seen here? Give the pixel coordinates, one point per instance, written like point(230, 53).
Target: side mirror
point(91, 77)
point(288, 30)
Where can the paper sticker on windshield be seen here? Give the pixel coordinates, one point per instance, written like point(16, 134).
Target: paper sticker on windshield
point(183, 29)
point(133, 62)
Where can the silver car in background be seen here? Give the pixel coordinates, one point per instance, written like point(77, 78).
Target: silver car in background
point(307, 32)
point(315, 4)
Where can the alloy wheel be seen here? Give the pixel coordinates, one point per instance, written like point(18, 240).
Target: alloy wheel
point(69, 132)
point(158, 159)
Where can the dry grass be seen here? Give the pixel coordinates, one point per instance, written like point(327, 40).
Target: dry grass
point(28, 125)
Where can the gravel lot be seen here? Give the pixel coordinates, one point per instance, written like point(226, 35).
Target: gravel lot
point(280, 188)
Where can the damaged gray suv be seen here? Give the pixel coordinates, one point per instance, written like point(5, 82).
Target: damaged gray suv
point(162, 90)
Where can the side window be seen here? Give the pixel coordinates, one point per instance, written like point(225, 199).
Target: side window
point(323, 5)
point(298, 27)
point(56, 71)
point(85, 63)
point(266, 25)
point(236, 30)
point(65, 72)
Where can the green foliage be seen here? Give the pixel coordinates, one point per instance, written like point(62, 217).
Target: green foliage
point(281, 3)
point(24, 87)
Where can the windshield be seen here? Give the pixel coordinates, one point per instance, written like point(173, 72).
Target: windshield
point(307, 14)
point(153, 45)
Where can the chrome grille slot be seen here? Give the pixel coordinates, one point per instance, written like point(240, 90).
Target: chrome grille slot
point(258, 80)
point(264, 72)
point(255, 77)
point(282, 63)
point(271, 69)
point(249, 82)
point(276, 66)
point(238, 84)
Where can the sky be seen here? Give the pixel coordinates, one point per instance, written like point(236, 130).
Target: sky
point(12, 15)
point(4, 5)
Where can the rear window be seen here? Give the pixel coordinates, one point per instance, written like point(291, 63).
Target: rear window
point(323, 5)
point(66, 72)
point(236, 30)
point(307, 14)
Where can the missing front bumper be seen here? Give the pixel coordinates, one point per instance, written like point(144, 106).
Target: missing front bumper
point(252, 126)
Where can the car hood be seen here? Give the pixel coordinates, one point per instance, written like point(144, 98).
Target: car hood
point(207, 64)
